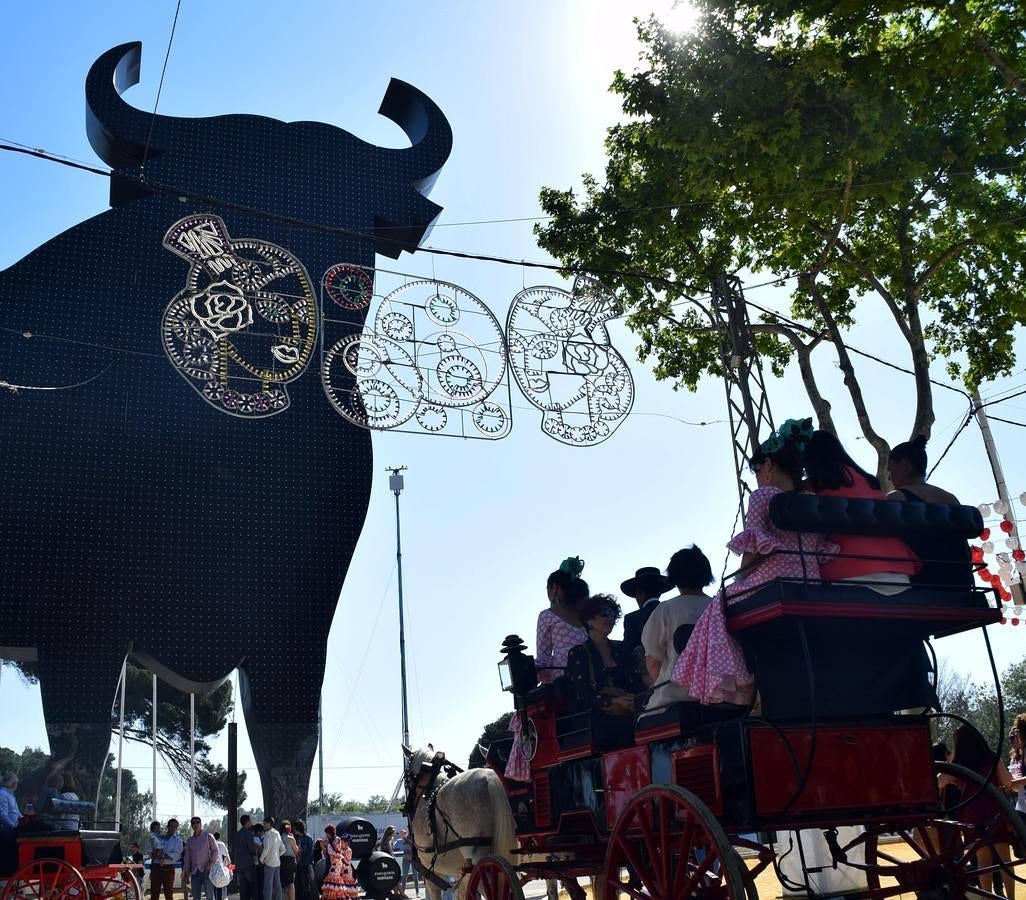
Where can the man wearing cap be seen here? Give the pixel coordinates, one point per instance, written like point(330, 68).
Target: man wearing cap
point(645, 587)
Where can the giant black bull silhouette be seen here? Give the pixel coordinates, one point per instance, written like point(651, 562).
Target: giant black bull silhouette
point(208, 527)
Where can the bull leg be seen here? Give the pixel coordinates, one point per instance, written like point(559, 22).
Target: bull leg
point(281, 717)
point(78, 689)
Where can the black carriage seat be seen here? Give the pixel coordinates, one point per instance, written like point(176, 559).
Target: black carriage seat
point(100, 848)
point(590, 731)
point(865, 648)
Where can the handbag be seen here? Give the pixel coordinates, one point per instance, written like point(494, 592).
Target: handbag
point(220, 875)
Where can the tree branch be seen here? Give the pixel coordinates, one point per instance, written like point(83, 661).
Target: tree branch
point(874, 282)
point(1015, 82)
point(851, 381)
point(943, 258)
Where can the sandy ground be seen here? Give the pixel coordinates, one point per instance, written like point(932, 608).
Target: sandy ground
point(767, 884)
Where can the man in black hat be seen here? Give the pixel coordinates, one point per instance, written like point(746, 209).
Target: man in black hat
point(645, 587)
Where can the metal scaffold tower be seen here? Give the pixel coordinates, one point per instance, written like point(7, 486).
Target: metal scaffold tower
point(747, 406)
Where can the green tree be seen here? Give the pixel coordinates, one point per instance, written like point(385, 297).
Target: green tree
point(32, 764)
point(879, 164)
point(212, 712)
point(493, 731)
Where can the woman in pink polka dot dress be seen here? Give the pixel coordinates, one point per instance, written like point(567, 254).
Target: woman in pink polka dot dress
point(712, 666)
point(559, 629)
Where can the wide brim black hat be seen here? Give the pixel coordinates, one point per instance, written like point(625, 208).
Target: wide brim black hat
point(648, 578)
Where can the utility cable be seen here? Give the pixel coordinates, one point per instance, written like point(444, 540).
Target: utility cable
point(160, 87)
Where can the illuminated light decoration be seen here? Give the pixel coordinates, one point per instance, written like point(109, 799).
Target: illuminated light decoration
point(246, 322)
point(1011, 543)
point(984, 535)
point(984, 574)
point(1017, 610)
point(1004, 621)
point(431, 359)
point(564, 361)
point(348, 286)
point(988, 547)
point(1000, 507)
point(976, 553)
point(1006, 526)
point(1022, 498)
point(1015, 621)
point(984, 509)
point(1019, 554)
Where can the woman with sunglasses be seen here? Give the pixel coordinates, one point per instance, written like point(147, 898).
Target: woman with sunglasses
point(600, 681)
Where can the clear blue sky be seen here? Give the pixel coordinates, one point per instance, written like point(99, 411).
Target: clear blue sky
point(525, 89)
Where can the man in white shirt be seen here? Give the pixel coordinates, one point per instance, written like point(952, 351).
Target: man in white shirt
point(270, 857)
point(690, 571)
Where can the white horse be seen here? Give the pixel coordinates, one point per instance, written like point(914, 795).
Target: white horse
point(455, 819)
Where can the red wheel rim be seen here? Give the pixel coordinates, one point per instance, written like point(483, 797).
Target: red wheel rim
point(122, 885)
point(667, 845)
point(494, 879)
point(46, 879)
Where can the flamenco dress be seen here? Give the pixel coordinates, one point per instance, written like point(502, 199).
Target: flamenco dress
point(712, 666)
point(554, 639)
point(339, 883)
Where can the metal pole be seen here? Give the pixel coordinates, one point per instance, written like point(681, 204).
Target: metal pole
point(999, 481)
point(233, 780)
point(121, 745)
point(192, 755)
point(402, 633)
point(395, 485)
point(320, 754)
point(153, 715)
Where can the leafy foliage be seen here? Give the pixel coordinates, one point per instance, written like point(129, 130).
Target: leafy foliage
point(32, 768)
point(493, 731)
point(977, 701)
point(337, 804)
point(212, 711)
point(871, 158)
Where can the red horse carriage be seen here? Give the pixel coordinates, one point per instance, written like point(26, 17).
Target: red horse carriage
point(683, 804)
point(70, 865)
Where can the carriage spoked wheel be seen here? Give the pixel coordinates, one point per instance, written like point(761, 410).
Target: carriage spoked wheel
point(494, 879)
point(46, 879)
point(667, 845)
point(942, 857)
point(120, 885)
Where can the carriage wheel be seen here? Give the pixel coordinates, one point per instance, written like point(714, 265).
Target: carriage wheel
point(667, 845)
point(948, 856)
point(494, 879)
point(45, 879)
point(122, 885)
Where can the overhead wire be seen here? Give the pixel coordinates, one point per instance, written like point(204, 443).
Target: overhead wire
point(504, 220)
point(160, 87)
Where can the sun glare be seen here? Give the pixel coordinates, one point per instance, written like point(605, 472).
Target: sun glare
point(678, 15)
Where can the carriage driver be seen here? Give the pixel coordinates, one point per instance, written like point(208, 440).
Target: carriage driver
point(9, 818)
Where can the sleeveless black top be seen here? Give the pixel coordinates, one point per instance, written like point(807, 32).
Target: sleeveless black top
point(946, 560)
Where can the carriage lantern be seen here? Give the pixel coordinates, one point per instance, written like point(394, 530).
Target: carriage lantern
point(516, 668)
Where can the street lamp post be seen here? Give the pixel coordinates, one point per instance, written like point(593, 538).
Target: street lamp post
point(395, 485)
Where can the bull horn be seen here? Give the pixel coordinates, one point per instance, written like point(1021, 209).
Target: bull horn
point(407, 751)
point(427, 128)
point(117, 131)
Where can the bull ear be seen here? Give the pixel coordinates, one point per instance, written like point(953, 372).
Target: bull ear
point(118, 132)
point(425, 125)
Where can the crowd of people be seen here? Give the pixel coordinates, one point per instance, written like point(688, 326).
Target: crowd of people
point(679, 650)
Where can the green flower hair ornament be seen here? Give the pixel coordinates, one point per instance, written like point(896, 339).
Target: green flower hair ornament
point(572, 565)
point(793, 431)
